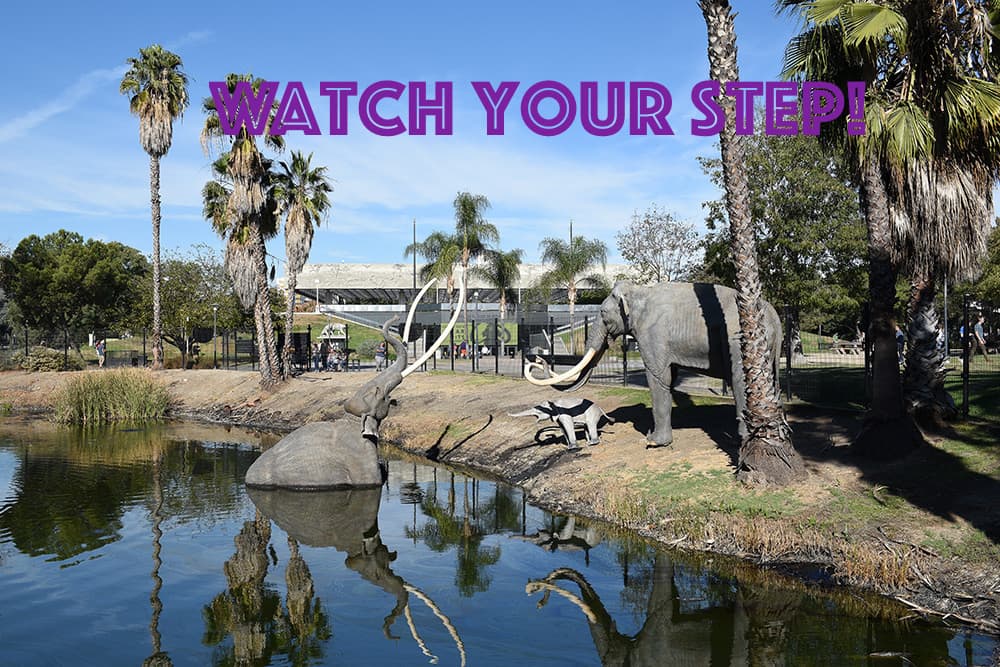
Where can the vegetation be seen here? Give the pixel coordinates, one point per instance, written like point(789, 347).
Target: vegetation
point(45, 359)
point(658, 247)
point(240, 204)
point(807, 220)
point(301, 192)
point(123, 395)
point(64, 286)
point(157, 90)
point(766, 453)
point(926, 165)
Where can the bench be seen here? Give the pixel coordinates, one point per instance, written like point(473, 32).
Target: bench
point(848, 347)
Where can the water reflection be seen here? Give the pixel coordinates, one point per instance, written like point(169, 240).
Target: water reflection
point(693, 616)
point(435, 561)
point(347, 520)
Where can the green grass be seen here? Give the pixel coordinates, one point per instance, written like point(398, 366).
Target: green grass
point(123, 395)
point(704, 492)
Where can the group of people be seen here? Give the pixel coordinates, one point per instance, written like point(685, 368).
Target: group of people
point(327, 357)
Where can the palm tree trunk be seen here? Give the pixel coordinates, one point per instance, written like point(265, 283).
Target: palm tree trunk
point(926, 362)
point(888, 431)
point(262, 313)
point(286, 366)
point(766, 454)
point(154, 200)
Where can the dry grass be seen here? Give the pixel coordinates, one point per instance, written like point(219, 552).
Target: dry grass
point(124, 395)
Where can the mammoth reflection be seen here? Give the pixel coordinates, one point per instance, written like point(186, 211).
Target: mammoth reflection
point(694, 617)
point(347, 520)
point(567, 537)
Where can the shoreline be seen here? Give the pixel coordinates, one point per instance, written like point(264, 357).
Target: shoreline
point(850, 518)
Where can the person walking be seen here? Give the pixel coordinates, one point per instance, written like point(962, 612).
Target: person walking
point(979, 339)
point(102, 351)
point(900, 344)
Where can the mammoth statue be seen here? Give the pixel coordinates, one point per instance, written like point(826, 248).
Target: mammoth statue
point(691, 326)
point(569, 414)
point(343, 453)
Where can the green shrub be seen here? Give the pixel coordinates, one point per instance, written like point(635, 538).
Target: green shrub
point(41, 359)
point(128, 395)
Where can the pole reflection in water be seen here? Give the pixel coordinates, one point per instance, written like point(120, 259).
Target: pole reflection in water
point(157, 658)
point(347, 520)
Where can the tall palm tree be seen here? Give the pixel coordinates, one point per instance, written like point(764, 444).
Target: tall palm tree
point(573, 267)
point(301, 192)
point(247, 219)
point(501, 270)
point(471, 240)
point(157, 89)
point(766, 454)
point(926, 166)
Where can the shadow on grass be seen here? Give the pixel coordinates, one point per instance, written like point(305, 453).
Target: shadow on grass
point(931, 478)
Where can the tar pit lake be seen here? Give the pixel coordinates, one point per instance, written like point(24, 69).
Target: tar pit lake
point(129, 547)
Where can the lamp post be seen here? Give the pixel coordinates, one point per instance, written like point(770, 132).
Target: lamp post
point(187, 341)
point(215, 337)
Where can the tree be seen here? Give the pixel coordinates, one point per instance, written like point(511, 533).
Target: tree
point(301, 193)
point(766, 454)
point(573, 266)
point(65, 286)
point(659, 247)
point(199, 294)
point(926, 166)
point(157, 90)
point(806, 222)
point(240, 205)
point(501, 270)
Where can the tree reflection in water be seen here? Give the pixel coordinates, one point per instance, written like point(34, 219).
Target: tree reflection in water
point(347, 521)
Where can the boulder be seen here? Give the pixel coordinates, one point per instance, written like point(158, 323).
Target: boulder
point(320, 455)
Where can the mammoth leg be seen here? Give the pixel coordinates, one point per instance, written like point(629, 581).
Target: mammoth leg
point(738, 382)
point(592, 419)
point(569, 430)
point(662, 433)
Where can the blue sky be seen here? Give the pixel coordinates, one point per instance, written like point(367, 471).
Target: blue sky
point(70, 157)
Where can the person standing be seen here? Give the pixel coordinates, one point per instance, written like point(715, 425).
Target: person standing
point(380, 353)
point(979, 339)
point(900, 343)
point(102, 350)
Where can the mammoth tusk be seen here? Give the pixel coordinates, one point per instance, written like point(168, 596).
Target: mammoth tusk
point(444, 333)
point(569, 376)
point(413, 309)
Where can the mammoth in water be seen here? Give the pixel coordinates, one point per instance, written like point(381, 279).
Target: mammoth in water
point(336, 454)
point(691, 326)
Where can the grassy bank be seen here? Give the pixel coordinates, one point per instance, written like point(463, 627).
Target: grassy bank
point(124, 395)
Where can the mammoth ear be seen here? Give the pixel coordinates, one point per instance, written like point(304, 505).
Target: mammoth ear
point(621, 289)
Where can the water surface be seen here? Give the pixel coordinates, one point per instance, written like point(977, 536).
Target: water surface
point(128, 547)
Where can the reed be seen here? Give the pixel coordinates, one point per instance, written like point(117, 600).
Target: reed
point(126, 395)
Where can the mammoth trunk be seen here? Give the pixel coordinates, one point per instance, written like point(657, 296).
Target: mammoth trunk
point(597, 341)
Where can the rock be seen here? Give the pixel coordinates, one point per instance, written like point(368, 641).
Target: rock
point(320, 455)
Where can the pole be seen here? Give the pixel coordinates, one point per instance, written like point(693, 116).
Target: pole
point(215, 337)
point(496, 346)
point(26, 353)
point(475, 344)
point(451, 350)
point(788, 353)
point(625, 359)
point(965, 356)
point(947, 348)
point(414, 253)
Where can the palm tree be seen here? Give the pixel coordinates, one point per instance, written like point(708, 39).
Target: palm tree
point(157, 90)
point(766, 454)
point(247, 219)
point(302, 193)
point(926, 167)
point(471, 240)
point(501, 270)
point(573, 267)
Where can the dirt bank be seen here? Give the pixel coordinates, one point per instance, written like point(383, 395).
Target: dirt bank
point(924, 530)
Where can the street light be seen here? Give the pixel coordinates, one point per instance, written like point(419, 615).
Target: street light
point(215, 337)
